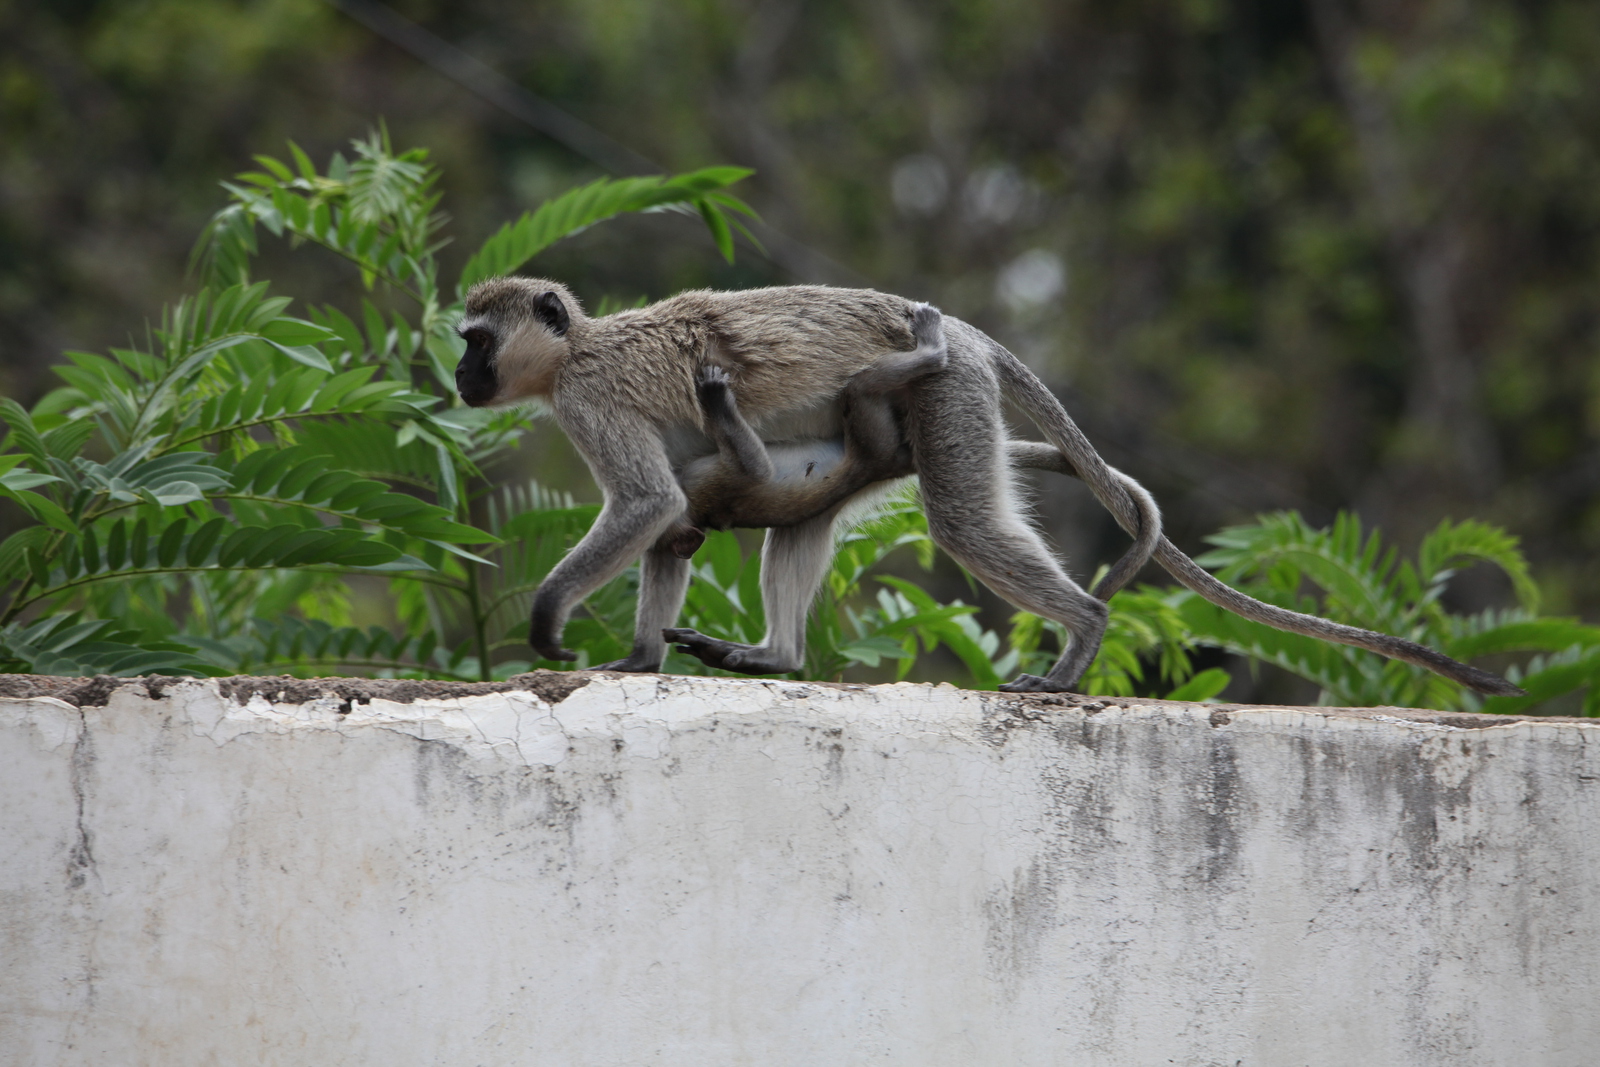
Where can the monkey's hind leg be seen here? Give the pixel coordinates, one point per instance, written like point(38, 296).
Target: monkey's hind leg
point(968, 496)
point(1010, 559)
point(793, 562)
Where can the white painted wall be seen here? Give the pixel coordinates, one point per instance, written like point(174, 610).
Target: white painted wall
point(673, 871)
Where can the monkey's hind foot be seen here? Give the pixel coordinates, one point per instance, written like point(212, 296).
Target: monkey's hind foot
point(727, 655)
point(1033, 683)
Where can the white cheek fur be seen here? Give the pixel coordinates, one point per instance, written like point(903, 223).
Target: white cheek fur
point(526, 363)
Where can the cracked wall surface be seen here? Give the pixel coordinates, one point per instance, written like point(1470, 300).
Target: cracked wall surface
point(611, 871)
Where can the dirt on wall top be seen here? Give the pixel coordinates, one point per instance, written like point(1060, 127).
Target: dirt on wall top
point(550, 686)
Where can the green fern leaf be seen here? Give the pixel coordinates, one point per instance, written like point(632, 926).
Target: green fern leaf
point(1451, 545)
point(1525, 635)
point(23, 433)
point(604, 198)
point(198, 552)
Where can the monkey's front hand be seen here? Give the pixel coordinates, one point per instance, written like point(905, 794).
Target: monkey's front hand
point(544, 629)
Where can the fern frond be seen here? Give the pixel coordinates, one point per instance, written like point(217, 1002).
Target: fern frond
point(517, 242)
point(1453, 544)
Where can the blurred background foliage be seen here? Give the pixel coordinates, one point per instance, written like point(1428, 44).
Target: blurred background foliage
point(1317, 254)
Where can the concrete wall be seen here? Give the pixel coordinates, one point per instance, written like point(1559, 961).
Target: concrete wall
point(672, 871)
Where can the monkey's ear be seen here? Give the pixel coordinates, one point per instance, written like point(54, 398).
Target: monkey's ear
point(552, 312)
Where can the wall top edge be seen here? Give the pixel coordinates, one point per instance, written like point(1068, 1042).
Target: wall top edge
point(554, 687)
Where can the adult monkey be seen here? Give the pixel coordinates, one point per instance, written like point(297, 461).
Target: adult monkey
point(623, 389)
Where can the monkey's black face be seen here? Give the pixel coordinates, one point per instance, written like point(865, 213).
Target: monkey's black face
point(475, 377)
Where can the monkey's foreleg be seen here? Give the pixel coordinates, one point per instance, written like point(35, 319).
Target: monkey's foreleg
point(619, 536)
point(793, 562)
point(642, 499)
point(626, 527)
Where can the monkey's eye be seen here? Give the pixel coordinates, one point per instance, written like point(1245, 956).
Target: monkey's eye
point(476, 337)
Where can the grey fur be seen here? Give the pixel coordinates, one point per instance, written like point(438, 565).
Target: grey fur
point(625, 389)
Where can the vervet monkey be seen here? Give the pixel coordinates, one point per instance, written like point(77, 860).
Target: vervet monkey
point(623, 388)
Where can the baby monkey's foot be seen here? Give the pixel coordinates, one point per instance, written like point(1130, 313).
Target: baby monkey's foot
point(708, 650)
point(684, 540)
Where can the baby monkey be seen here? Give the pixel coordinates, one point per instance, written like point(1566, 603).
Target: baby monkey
point(751, 483)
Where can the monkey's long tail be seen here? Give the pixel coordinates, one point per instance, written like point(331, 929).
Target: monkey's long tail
point(1144, 544)
point(1192, 576)
point(1029, 393)
point(1133, 508)
point(1046, 457)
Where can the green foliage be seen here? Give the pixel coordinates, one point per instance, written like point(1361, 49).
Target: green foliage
point(1280, 559)
point(517, 242)
point(1345, 574)
point(67, 644)
point(244, 459)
